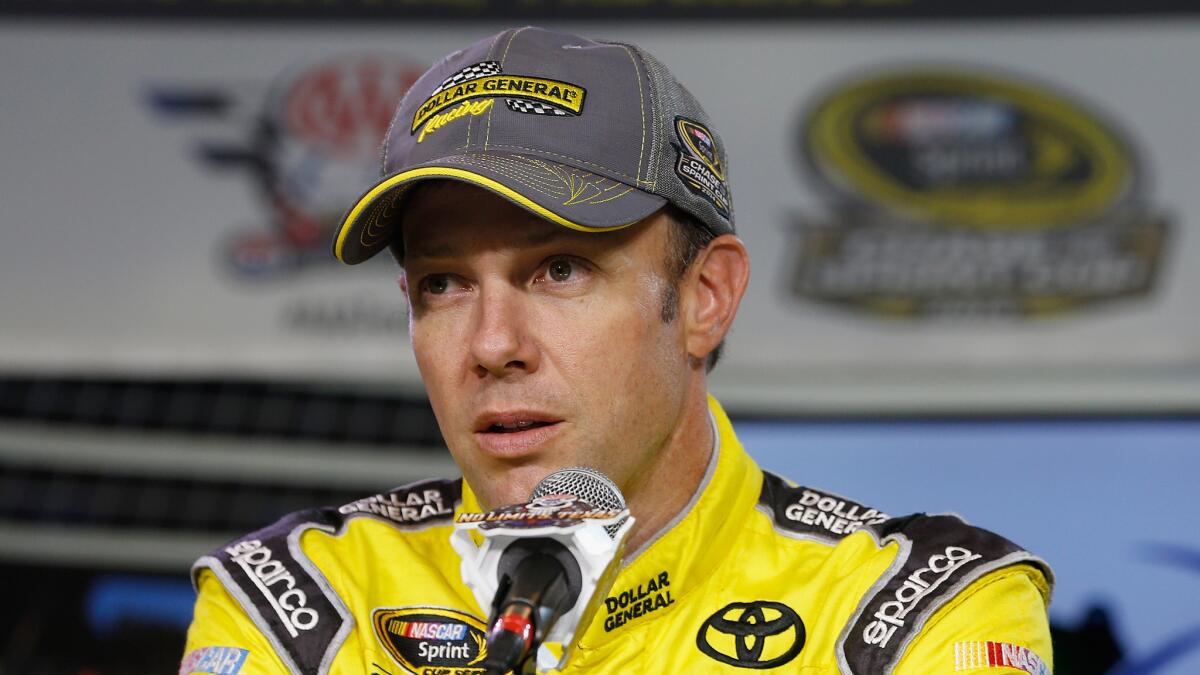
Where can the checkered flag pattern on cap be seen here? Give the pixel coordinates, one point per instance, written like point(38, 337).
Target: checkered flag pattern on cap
point(533, 108)
point(470, 73)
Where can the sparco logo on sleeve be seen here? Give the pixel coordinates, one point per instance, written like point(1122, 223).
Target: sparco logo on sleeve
point(276, 584)
point(891, 614)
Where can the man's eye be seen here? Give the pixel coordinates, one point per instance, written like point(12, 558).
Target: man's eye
point(559, 269)
point(437, 284)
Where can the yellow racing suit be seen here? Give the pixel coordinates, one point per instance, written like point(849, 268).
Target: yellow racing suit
point(755, 574)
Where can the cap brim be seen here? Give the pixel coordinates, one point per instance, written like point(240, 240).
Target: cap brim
point(562, 194)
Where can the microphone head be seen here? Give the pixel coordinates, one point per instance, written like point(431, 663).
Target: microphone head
point(583, 483)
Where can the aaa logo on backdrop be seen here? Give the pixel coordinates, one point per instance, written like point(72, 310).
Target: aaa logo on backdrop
point(958, 192)
point(309, 142)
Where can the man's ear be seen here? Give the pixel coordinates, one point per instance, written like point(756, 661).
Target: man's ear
point(714, 285)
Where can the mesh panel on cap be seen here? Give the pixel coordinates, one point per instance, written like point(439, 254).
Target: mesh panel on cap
point(673, 100)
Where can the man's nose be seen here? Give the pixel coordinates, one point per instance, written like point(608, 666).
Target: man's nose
point(501, 344)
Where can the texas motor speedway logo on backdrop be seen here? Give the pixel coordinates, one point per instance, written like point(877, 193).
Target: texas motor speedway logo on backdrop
point(970, 193)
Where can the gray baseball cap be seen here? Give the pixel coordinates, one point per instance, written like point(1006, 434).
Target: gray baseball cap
point(592, 135)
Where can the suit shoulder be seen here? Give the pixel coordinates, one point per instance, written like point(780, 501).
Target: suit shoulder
point(287, 596)
point(413, 506)
point(950, 536)
point(808, 513)
point(938, 557)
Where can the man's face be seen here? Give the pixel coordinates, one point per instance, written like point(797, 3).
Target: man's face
point(540, 347)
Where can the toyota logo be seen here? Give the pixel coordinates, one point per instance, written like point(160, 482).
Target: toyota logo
point(757, 634)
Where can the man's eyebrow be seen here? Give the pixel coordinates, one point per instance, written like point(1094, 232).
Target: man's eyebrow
point(452, 249)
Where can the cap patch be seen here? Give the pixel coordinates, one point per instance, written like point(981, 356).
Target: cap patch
point(522, 93)
point(699, 164)
point(701, 143)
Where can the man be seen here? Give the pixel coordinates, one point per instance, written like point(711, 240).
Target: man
point(561, 213)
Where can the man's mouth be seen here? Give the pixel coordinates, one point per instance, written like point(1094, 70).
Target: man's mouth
point(508, 428)
point(517, 432)
point(513, 421)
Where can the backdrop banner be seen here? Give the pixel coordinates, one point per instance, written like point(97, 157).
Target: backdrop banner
point(941, 217)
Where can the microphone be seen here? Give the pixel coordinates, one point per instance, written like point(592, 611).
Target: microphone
point(542, 563)
point(539, 582)
point(588, 485)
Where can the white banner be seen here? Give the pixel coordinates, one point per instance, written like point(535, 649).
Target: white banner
point(940, 218)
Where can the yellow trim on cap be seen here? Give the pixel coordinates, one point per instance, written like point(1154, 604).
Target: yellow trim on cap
point(461, 174)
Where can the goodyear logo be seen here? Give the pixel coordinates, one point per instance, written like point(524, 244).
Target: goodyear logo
point(563, 95)
point(432, 640)
point(970, 193)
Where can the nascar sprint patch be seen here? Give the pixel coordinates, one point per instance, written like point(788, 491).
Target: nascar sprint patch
point(432, 640)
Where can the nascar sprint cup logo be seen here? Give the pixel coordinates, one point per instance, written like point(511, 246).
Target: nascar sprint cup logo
point(970, 193)
point(432, 640)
